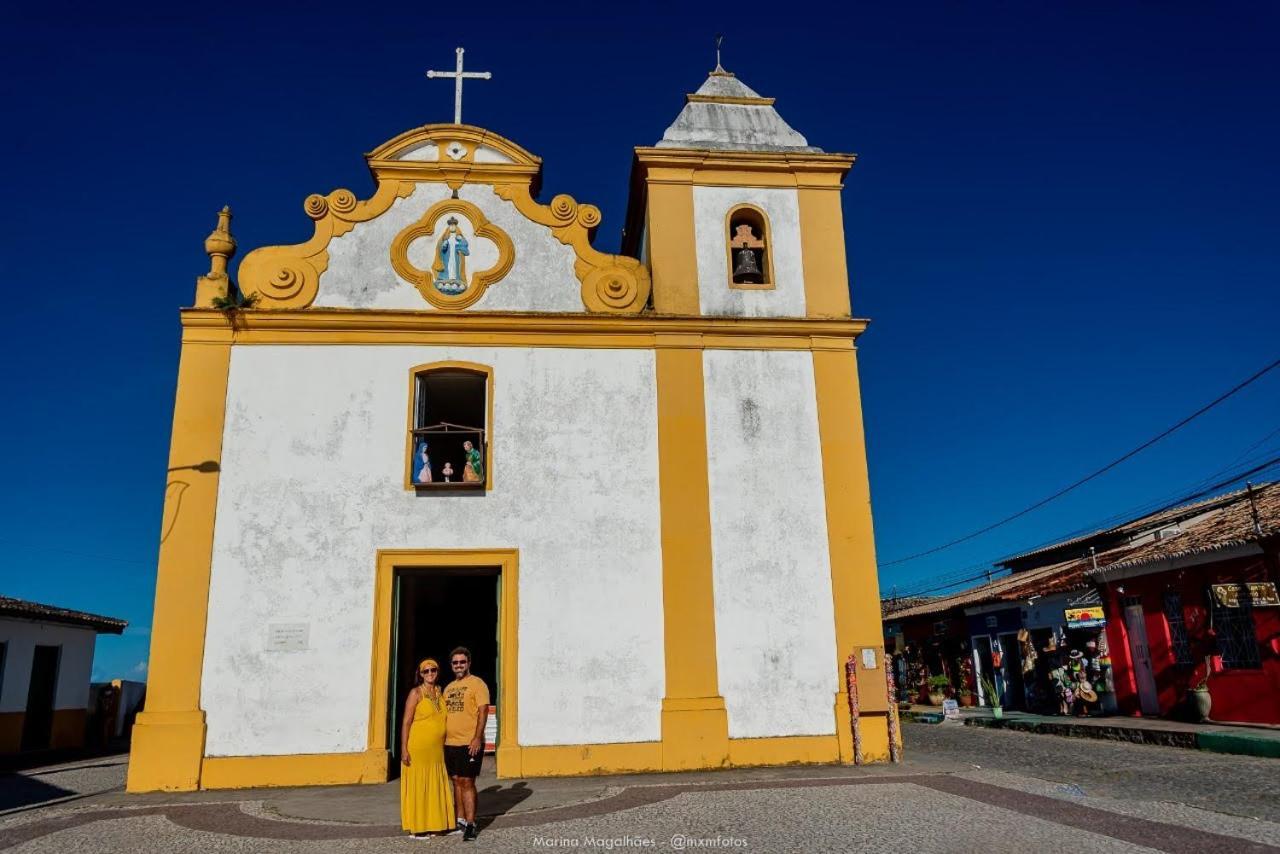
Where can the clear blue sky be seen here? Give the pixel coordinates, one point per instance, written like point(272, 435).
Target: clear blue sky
point(1063, 224)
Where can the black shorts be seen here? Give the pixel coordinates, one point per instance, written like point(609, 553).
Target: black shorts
point(460, 763)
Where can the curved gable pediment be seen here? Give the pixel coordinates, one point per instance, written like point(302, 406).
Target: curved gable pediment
point(409, 247)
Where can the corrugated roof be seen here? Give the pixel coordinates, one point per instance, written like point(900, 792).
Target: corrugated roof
point(25, 610)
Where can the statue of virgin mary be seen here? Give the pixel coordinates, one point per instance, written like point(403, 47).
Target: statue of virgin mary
point(450, 265)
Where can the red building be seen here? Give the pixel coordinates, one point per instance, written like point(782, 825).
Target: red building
point(1200, 601)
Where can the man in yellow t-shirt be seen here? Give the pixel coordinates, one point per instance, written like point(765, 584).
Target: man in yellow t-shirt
point(466, 705)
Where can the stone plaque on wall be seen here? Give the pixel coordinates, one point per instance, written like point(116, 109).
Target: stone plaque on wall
point(288, 637)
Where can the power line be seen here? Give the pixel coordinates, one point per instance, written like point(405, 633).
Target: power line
point(1261, 468)
point(1082, 481)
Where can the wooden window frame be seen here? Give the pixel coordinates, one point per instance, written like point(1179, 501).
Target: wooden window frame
point(411, 426)
point(770, 283)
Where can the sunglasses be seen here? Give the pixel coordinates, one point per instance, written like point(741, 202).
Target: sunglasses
point(459, 663)
point(427, 670)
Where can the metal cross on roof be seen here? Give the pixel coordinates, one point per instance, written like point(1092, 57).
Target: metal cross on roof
point(457, 76)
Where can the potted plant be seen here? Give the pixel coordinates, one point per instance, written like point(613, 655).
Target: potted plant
point(938, 686)
point(1198, 698)
point(966, 697)
point(993, 697)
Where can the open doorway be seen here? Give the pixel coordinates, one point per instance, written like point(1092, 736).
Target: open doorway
point(37, 724)
point(435, 610)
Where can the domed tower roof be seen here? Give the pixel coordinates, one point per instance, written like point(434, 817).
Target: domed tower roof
point(728, 115)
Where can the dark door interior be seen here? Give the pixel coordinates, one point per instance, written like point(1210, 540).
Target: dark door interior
point(437, 610)
point(37, 726)
point(1014, 694)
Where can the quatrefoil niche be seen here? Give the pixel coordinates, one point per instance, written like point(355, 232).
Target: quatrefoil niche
point(452, 254)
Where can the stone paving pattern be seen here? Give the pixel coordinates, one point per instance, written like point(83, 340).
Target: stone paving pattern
point(962, 789)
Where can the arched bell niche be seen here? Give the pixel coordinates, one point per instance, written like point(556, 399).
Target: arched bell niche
point(750, 252)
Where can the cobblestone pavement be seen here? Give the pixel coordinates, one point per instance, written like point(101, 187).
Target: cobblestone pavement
point(962, 789)
point(1237, 785)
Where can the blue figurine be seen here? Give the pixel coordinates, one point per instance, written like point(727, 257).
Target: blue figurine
point(421, 463)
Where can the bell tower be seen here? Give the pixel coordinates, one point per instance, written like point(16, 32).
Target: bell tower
point(738, 220)
point(736, 214)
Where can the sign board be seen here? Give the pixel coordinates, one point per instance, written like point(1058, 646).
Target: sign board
point(1262, 594)
point(869, 659)
point(951, 710)
point(1085, 618)
point(992, 621)
point(288, 637)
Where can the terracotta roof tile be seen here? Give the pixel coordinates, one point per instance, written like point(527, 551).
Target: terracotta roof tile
point(25, 610)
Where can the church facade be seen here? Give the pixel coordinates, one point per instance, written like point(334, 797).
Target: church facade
point(633, 485)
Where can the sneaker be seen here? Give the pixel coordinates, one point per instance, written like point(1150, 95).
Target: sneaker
point(469, 835)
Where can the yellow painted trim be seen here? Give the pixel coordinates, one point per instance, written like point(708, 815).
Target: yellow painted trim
point(168, 738)
point(385, 164)
point(507, 560)
point(673, 253)
point(822, 253)
point(611, 284)
point(289, 276)
point(784, 750)
point(496, 329)
point(681, 166)
point(769, 283)
point(695, 726)
point(694, 98)
point(471, 136)
point(473, 367)
point(424, 280)
point(310, 769)
point(854, 585)
point(575, 760)
point(586, 759)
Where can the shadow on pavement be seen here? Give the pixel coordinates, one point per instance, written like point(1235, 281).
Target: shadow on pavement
point(498, 800)
point(19, 791)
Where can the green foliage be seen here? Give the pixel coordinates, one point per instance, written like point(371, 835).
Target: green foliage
point(235, 300)
point(989, 688)
point(939, 683)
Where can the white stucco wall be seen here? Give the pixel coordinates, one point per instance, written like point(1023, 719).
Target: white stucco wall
point(74, 664)
point(775, 623)
point(360, 275)
point(312, 486)
point(710, 207)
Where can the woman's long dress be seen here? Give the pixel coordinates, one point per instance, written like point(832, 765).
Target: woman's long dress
point(426, 795)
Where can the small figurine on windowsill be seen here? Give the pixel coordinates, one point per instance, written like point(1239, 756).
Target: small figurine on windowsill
point(447, 471)
point(473, 468)
point(422, 464)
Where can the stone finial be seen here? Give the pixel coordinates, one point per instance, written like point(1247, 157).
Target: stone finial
point(220, 246)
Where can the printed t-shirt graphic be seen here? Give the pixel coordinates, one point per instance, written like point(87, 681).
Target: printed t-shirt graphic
point(462, 701)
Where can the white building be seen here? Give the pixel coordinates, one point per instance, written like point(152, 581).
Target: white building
point(658, 543)
point(46, 657)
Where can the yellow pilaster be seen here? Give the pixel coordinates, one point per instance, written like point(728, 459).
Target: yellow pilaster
point(854, 587)
point(695, 726)
point(672, 248)
point(168, 738)
point(826, 274)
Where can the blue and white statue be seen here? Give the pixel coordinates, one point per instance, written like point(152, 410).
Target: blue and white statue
point(450, 265)
point(421, 463)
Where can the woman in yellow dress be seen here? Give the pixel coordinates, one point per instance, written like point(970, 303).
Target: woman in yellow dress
point(426, 795)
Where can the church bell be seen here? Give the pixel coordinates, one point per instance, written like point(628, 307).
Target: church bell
point(745, 265)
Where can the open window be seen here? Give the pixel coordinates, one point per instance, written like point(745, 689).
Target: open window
point(450, 409)
point(750, 251)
